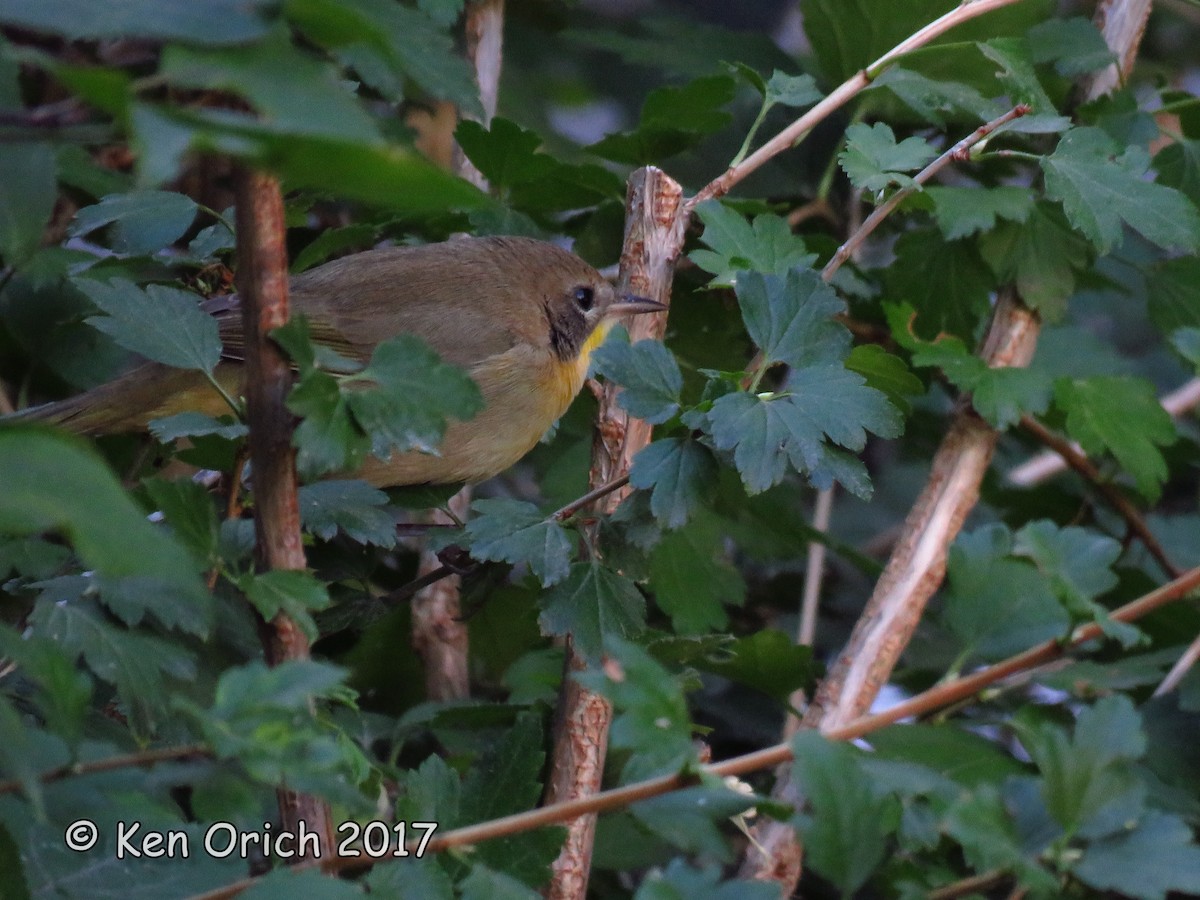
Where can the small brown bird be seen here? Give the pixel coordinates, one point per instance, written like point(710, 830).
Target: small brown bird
point(521, 316)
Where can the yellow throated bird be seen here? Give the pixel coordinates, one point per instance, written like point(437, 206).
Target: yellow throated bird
point(521, 316)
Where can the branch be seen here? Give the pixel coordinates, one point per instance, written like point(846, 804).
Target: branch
point(1077, 460)
point(653, 241)
point(918, 563)
point(1182, 666)
point(263, 288)
point(921, 705)
point(111, 763)
point(788, 138)
point(958, 153)
point(1046, 465)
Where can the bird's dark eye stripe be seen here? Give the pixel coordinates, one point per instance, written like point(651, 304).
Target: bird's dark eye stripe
point(585, 297)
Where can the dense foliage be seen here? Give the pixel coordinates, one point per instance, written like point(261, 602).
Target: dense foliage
point(130, 605)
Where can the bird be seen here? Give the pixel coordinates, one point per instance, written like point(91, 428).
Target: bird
point(521, 316)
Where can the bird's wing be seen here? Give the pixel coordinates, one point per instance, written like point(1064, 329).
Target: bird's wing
point(354, 303)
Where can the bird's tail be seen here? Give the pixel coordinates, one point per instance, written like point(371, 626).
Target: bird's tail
point(150, 391)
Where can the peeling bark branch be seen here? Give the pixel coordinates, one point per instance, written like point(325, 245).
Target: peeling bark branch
point(653, 240)
point(263, 288)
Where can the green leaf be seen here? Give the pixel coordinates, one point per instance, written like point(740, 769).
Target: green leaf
point(387, 43)
point(885, 373)
point(353, 507)
point(846, 826)
point(652, 720)
point(1173, 294)
point(692, 819)
point(963, 756)
point(515, 532)
point(218, 22)
point(963, 211)
point(379, 175)
point(194, 424)
point(767, 660)
point(189, 511)
point(508, 157)
point(507, 779)
point(873, 159)
point(946, 282)
point(327, 439)
point(647, 372)
point(1100, 191)
point(1043, 255)
point(936, 101)
point(594, 605)
point(415, 878)
point(1158, 857)
point(1187, 342)
point(1121, 416)
point(691, 579)
point(1078, 562)
point(27, 194)
point(134, 662)
point(790, 318)
point(143, 221)
point(791, 90)
point(285, 882)
point(1178, 166)
point(18, 759)
point(412, 392)
point(679, 472)
point(295, 594)
point(673, 119)
point(161, 323)
point(483, 883)
point(1001, 395)
point(679, 881)
point(62, 692)
point(1075, 46)
point(1017, 73)
point(997, 605)
point(1090, 774)
point(767, 245)
point(766, 433)
point(55, 483)
point(291, 91)
point(431, 792)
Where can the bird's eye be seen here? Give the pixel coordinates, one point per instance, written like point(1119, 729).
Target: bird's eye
point(585, 297)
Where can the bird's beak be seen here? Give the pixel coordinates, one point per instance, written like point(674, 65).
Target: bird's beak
point(632, 304)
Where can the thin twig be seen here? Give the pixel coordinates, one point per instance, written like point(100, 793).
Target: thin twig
point(1078, 461)
point(920, 705)
point(561, 515)
point(972, 885)
point(814, 569)
point(957, 153)
point(1049, 463)
point(789, 136)
point(1182, 666)
point(111, 763)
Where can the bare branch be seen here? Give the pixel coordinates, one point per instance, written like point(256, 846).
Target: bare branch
point(653, 240)
point(923, 704)
point(791, 135)
point(958, 153)
point(263, 288)
point(1046, 465)
point(1077, 460)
